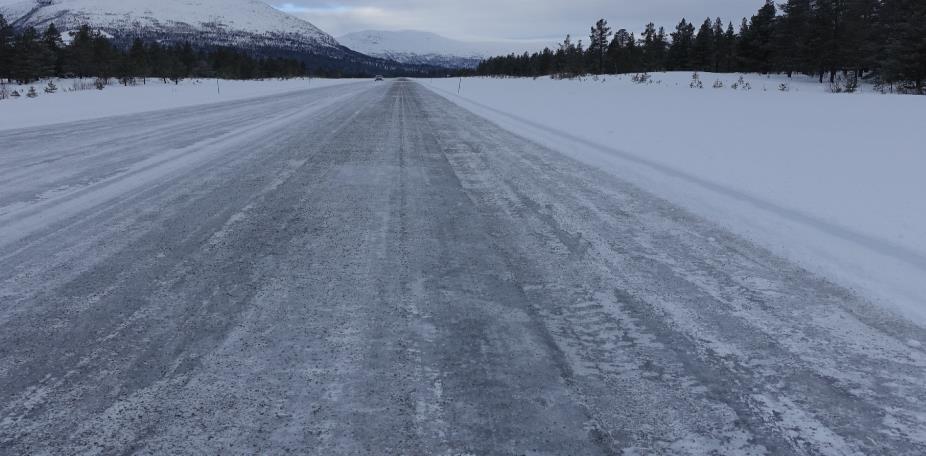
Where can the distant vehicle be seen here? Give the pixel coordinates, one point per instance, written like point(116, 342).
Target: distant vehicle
point(380, 78)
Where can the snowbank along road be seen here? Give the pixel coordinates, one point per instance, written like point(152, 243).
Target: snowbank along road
point(370, 269)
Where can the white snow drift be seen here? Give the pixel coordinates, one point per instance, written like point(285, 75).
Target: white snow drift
point(69, 106)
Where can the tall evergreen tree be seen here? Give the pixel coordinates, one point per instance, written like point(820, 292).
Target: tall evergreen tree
point(681, 48)
point(598, 44)
point(792, 37)
point(719, 45)
point(824, 41)
point(6, 49)
point(80, 56)
point(138, 59)
point(702, 52)
point(728, 58)
point(31, 59)
point(903, 26)
point(54, 46)
point(757, 43)
point(859, 38)
point(622, 52)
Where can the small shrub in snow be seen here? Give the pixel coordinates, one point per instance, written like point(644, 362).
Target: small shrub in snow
point(881, 87)
point(51, 87)
point(696, 81)
point(100, 83)
point(784, 87)
point(80, 84)
point(741, 84)
point(908, 88)
point(718, 84)
point(851, 84)
point(642, 78)
point(15, 94)
point(4, 92)
point(844, 84)
point(32, 93)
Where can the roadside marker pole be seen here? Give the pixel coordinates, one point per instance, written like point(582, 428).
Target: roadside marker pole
point(460, 87)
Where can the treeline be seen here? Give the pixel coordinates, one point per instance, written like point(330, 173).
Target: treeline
point(28, 56)
point(861, 38)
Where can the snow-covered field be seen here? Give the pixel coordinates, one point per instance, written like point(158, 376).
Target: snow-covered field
point(833, 181)
point(68, 105)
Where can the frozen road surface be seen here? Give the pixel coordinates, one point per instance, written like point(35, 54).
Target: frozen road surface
point(370, 269)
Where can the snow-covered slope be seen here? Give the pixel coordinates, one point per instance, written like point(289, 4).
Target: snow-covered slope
point(246, 23)
point(794, 171)
point(416, 47)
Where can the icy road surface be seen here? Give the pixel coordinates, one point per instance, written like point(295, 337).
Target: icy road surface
point(370, 269)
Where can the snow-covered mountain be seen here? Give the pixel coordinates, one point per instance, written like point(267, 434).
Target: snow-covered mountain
point(423, 48)
point(242, 23)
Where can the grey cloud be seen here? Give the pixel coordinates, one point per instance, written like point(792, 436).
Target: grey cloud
point(509, 19)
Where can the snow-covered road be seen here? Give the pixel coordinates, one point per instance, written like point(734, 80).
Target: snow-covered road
point(371, 269)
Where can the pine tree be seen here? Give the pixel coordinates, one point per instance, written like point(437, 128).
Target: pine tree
point(719, 45)
point(824, 42)
point(138, 59)
point(649, 48)
point(702, 53)
point(598, 44)
point(622, 52)
point(187, 59)
point(31, 59)
point(681, 48)
point(757, 44)
point(859, 38)
point(903, 26)
point(728, 58)
point(54, 45)
point(79, 55)
point(6, 49)
point(792, 36)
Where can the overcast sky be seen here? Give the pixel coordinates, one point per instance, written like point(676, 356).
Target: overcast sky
point(495, 20)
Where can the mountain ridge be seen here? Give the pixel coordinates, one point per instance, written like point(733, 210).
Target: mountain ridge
point(420, 47)
point(249, 25)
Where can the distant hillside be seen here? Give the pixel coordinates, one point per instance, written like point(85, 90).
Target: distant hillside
point(423, 48)
point(244, 24)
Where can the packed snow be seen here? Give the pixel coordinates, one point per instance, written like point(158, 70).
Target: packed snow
point(832, 181)
point(69, 104)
